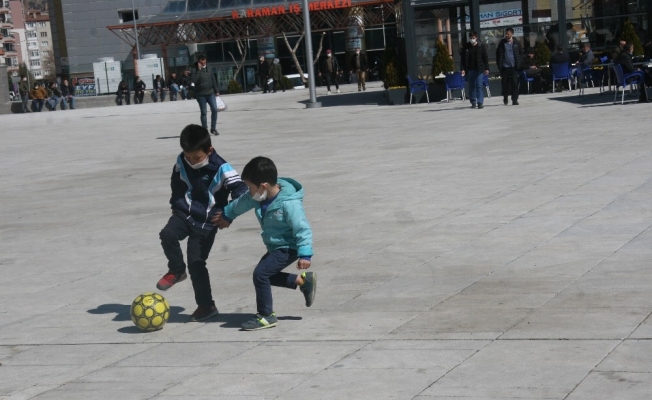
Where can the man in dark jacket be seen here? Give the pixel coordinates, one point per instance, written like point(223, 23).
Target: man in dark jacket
point(184, 85)
point(159, 89)
point(509, 55)
point(68, 92)
point(173, 86)
point(475, 65)
point(205, 89)
point(139, 90)
point(263, 73)
point(626, 61)
point(359, 66)
point(122, 93)
point(329, 68)
point(23, 88)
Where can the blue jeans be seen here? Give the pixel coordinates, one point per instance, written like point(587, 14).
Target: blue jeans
point(268, 273)
point(64, 102)
point(184, 93)
point(37, 105)
point(202, 100)
point(174, 89)
point(474, 77)
point(52, 103)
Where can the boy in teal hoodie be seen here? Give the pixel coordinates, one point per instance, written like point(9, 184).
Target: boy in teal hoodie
point(278, 203)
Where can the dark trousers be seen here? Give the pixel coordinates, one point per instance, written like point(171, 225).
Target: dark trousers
point(138, 97)
point(200, 242)
point(509, 78)
point(277, 84)
point(331, 78)
point(263, 84)
point(268, 273)
point(126, 98)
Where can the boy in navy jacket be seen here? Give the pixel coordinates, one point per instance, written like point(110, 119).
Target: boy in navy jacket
point(201, 184)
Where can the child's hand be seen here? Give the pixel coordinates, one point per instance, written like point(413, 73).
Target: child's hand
point(303, 264)
point(220, 222)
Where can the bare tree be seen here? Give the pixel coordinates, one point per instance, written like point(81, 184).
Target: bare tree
point(241, 50)
point(293, 51)
point(48, 66)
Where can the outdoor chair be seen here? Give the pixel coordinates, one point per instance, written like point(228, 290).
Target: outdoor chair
point(584, 75)
point(525, 78)
point(454, 81)
point(560, 72)
point(485, 83)
point(623, 80)
point(417, 86)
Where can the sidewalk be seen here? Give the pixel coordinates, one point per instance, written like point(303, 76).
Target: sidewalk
point(462, 254)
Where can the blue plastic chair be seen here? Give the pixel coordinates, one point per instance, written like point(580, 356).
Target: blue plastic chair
point(524, 78)
point(485, 83)
point(417, 86)
point(637, 78)
point(560, 72)
point(455, 81)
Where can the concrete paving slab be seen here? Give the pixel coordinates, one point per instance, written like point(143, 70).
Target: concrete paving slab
point(448, 241)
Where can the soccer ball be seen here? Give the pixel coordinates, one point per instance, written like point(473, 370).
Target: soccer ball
point(150, 311)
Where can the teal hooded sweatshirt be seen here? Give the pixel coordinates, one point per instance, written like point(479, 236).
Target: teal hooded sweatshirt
point(284, 224)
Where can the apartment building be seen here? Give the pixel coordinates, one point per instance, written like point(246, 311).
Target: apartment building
point(40, 48)
point(8, 51)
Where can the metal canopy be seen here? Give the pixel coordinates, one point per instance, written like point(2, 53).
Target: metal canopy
point(237, 19)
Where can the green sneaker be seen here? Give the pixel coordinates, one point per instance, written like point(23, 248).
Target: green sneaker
point(309, 287)
point(260, 322)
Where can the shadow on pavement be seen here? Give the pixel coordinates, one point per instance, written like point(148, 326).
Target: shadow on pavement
point(123, 312)
point(372, 98)
point(168, 137)
point(595, 99)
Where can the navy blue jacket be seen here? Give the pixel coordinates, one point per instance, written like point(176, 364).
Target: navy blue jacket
point(197, 194)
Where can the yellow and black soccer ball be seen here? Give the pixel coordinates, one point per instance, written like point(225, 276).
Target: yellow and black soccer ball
point(150, 311)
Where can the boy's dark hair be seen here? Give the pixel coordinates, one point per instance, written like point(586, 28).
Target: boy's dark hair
point(260, 170)
point(560, 48)
point(201, 57)
point(195, 137)
point(509, 30)
point(473, 34)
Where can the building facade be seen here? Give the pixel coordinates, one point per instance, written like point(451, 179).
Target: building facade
point(8, 50)
point(40, 48)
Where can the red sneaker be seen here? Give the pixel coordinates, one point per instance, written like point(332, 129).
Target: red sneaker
point(169, 280)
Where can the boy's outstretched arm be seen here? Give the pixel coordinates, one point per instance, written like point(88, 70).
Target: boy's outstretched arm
point(296, 218)
point(234, 209)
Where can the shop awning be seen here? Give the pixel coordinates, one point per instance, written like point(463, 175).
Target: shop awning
point(206, 21)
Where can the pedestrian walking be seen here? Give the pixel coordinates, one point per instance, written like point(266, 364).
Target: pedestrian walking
point(206, 90)
point(277, 75)
point(23, 88)
point(263, 73)
point(330, 71)
point(359, 66)
point(475, 65)
point(509, 56)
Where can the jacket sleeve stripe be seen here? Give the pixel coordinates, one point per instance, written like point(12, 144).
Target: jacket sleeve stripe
point(184, 177)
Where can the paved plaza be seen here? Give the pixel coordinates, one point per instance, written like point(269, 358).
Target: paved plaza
point(462, 254)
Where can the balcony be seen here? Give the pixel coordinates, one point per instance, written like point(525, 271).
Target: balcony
point(34, 57)
point(8, 39)
point(32, 47)
point(29, 28)
point(2, 52)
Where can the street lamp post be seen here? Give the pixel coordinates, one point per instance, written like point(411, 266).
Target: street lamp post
point(311, 69)
point(133, 15)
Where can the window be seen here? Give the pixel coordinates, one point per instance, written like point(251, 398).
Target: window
point(47, 72)
point(35, 63)
point(44, 34)
point(32, 44)
point(45, 44)
point(31, 35)
point(7, 61)
point(30, 25)
point(127, 15)
point(45, 53)
point(42, 24)
point(34, 53)
point(9, 47)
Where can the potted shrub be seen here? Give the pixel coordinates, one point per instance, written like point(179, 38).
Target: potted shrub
point(393, 76)
point(234, 87)
point(442, 63)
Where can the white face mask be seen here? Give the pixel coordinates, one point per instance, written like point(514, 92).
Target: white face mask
point(259, 196)
point(474, 41)
point(328, 55)
point(357, 52)
point(200, 164)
